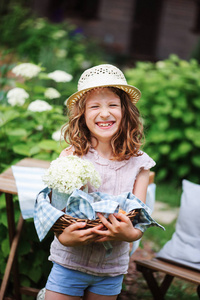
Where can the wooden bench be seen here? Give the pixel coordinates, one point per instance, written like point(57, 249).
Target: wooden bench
point(171, 270)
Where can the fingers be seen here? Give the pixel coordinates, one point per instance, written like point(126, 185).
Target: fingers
point(121, 217)
point(76, 226)
point(104, 221)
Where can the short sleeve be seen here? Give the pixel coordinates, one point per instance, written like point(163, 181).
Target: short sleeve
point(146, 162)
point(66, 152)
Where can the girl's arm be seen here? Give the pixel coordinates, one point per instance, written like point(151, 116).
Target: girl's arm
point(120, 227)
point(141, 185)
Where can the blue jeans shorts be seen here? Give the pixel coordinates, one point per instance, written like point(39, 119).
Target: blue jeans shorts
point(74, 283)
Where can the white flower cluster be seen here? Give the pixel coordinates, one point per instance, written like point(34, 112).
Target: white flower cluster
point(39, 105)
point(17, 96)
point(51, 93)
point(57, 136)
point(68, 173)
point(27, 70)
point(60, 76)
point(61, 53)
point(58, 34)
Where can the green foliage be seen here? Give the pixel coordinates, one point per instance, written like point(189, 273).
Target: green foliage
point(32, 255)
point(170, 105)
point(56, 46)
point(28, 133)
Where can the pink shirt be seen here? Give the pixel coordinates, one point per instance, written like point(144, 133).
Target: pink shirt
point(117, 177)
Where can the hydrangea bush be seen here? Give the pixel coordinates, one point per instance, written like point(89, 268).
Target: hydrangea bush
point(30, 117)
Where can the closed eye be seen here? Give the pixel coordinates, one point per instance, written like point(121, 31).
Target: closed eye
point(94, 106)
point(114, 105)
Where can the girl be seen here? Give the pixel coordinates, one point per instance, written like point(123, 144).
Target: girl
point(105, 128)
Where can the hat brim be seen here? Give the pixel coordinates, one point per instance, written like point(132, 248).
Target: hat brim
point(133, 92)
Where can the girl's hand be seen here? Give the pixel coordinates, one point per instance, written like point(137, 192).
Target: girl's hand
point(119, 228)
point(72, 235)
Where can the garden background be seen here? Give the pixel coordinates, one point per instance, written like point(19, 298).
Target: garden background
point(170, 107)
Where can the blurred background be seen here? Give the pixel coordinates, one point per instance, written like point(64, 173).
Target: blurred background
point(156, 44)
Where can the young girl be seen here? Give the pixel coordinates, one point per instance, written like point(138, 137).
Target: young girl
point(105, 128)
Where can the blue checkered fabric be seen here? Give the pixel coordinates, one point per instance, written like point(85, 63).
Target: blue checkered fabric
point(85, 206)
point(45, 215)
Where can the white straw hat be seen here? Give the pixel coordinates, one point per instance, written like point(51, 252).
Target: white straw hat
point(103, 76)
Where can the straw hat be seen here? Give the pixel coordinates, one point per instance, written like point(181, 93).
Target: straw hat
point(103, 76)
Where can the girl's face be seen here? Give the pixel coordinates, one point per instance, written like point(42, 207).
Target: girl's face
point(103, 114)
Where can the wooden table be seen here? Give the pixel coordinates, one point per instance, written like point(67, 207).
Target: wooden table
point(8, 187)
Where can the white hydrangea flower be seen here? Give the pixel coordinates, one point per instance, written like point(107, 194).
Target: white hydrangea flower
point(58, 34)
point(86, 64)
point(51, 93)
point(61, 53)
point(16, 101)
point(60, 76)
point(39, 127)
point(17, 93)
point(27, 70)
point(39, 105)
point(39, 23)
point(160, 64)
point(57, 136)
point(68, 173)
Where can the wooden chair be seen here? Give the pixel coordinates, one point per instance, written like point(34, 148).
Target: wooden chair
point(171, 270)
point(8, 187)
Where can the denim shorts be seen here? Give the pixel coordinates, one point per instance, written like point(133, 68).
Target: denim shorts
point(74, 283)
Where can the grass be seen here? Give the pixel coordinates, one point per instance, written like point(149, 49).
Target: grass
point(169, 193)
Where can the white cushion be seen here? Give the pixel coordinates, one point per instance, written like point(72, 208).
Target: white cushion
point(184, 247)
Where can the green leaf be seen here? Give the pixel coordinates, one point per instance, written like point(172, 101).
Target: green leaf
point(43, 75)
point(48, 145)
point(161, 174)
point(190, 133)
point(35, 273)
point(188, 117)
point(3, 219)
point(43, 156)
point(164, 149)
point(196, 139)
point(196, 102)
point(18, 132)
point(176, 113)
point(24, 248)
point(8, 116)
point(34, 150)
point(22, 149)
point(184, 148)
point(183, 170)
point(5, 247)
point(196, 160)
point(25, 281)
point(39, 89)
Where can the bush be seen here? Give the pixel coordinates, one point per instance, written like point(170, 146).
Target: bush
point(55, 46)
point(30, 127)
point(170, 105)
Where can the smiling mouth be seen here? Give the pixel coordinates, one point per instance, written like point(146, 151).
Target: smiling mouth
point(105, 124)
